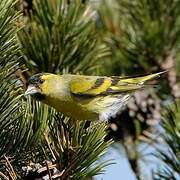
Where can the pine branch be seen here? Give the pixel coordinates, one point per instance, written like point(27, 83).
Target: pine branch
point(61, 37)
point(84, 147)
point(9, 85)
point(140, 33)
point(171, 137)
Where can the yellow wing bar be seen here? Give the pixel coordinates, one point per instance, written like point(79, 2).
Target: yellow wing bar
point(94, 85)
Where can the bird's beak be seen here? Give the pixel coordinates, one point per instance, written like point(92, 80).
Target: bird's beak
point(31, 90)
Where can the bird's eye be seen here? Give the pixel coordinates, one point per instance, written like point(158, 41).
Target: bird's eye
point(41, 81)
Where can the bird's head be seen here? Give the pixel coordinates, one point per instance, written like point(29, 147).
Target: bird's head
point(41, 85)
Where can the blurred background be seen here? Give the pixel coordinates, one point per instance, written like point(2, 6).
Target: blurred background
point(102, 37)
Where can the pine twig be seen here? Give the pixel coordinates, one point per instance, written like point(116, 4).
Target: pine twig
point(4, 176)
point(11, 171)
point(49, 172)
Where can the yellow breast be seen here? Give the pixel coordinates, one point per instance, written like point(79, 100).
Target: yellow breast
point(73, 108)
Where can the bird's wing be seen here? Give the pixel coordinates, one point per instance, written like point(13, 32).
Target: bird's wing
point(94, 85)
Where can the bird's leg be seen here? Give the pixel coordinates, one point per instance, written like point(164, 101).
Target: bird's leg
point(100, 121)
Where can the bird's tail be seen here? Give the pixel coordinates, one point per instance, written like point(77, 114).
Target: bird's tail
point(140, 80)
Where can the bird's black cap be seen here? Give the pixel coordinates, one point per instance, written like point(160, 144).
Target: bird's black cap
point(36, 79)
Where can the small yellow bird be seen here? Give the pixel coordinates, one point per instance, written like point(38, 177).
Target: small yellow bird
point(85, 97)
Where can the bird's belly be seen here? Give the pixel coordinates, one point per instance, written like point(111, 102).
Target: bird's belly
point(75, 110)
point(79, 112)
